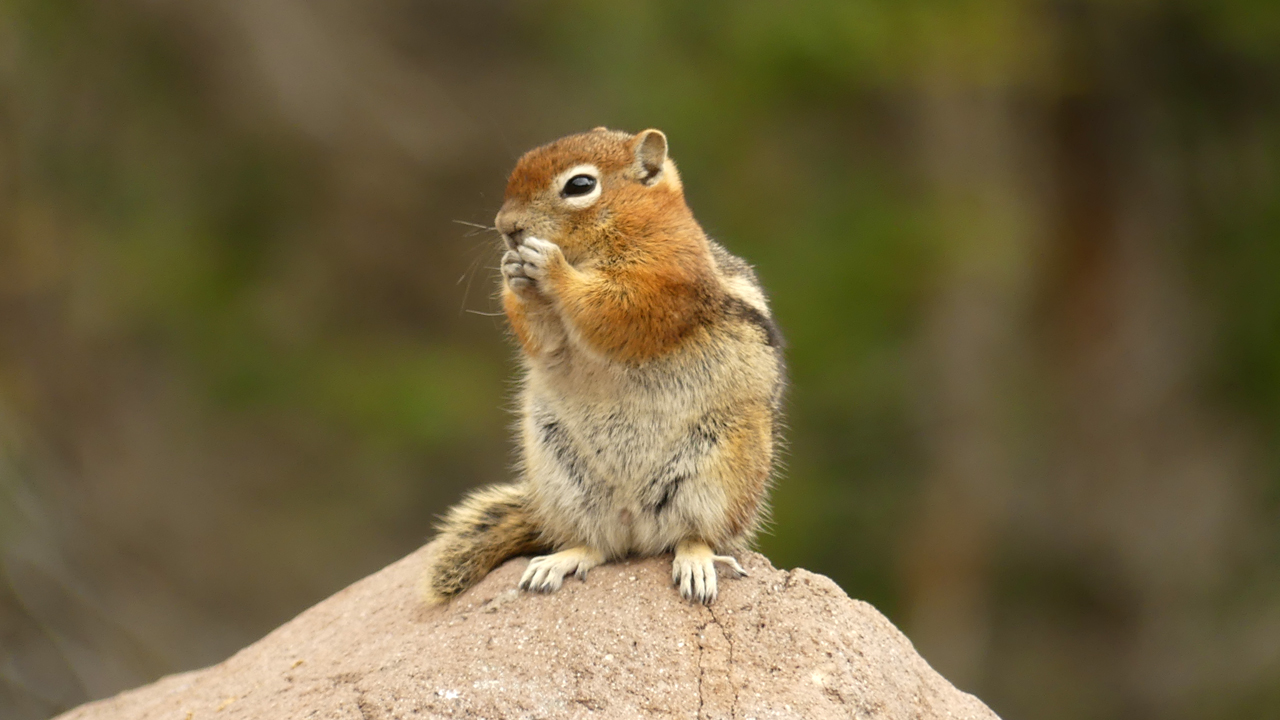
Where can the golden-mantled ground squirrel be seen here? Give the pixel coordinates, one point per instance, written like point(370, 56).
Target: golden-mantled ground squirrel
point(653, 378)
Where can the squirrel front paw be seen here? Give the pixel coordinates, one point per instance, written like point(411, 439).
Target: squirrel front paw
point(513, 272)
point(527, 267)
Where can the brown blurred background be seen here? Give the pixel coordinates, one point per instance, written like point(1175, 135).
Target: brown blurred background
point(1026, 253)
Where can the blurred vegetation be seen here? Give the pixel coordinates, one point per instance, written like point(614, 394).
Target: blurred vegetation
point(1026, 255)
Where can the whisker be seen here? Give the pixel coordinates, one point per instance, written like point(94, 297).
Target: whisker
point(486, 254)
point(485, 314)
point(470, 275)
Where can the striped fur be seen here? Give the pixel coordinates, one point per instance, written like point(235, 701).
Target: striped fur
point(488, 527)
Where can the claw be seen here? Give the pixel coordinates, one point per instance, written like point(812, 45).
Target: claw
point(546, 574)
point(732, 562)
point(693, 571)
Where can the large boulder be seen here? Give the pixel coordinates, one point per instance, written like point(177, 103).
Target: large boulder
point(621, 645)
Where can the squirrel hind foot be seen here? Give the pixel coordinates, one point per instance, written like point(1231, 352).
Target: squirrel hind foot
point(693, 571)
point(545, 574)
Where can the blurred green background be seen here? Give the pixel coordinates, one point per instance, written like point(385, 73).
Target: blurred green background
point(1026, 254)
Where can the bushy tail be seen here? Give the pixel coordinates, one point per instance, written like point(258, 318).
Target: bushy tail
point(490, 526)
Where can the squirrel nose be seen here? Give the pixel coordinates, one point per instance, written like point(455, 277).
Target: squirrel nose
point(513, 236)
point(510, 228)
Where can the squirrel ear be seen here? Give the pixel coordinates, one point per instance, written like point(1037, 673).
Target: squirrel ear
point(651, 155)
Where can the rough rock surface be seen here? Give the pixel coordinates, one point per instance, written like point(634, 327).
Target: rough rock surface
point(621, 645)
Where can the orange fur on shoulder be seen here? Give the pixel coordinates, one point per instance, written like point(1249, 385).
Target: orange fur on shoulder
point(643, 308)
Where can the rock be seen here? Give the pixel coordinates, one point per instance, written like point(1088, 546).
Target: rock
point(621, 645)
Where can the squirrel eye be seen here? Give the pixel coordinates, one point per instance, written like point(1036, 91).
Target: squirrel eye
point(578, 185)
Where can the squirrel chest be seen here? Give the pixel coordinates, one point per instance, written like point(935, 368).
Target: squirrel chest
point(629, 456)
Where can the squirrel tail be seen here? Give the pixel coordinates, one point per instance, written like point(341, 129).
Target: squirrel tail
point(490, 526)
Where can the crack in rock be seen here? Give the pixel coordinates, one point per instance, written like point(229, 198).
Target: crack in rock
point(717, 697)
point(701, 671)
point(733, 708)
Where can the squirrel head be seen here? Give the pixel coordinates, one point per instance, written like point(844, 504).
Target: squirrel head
point(595, 193)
